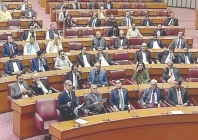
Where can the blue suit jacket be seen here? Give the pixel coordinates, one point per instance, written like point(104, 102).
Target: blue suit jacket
point(103, 77)
point(6, 49)
point(146, 97)
point(35, 65)
point(115, 98)
point(9, 67)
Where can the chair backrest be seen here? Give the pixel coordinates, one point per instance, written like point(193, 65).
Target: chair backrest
point(74, 46)
point(106, 30)
point(3, 36)
point(140, 93)
point(13, 22)
point(165, 93)
point(112, 11)
point(162, 13)
point(143, 12)
point(135, 41)
point(140, 5)
point(193, 73)
point(131, 13)
point(126, 5)
point(88, 32)
point(9, 88)
point(172, 31)
point(69, 33)
point(117, 75)
point(112, 40)
point(121, 56)
point(84, 13)
point(46, 108)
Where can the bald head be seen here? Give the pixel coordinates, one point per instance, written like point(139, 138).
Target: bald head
point(98, 34)
point(121, 33)
point(10, 39)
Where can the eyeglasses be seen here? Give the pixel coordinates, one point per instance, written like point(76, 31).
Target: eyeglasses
point(118, 82)
point(70, 85)
point(94, 88)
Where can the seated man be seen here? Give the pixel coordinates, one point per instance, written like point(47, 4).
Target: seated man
point(171, 74)
point(155, 43)
point(186, 57)
point(31, 47)
point(62, 61)
point(98, 41)
point(180, 42)
point(29, 13)
point(75, 76)
point(94, 100)
point(119, 98)
point(102, 13)
point(62, 15)
point(141, 75)
point(114, 31)
point(172, 21)
point(51, 32)
point(103, 58)
point(147, 21)
point(159, 31)
point(23, 6)
point(39, 86)
point(133, 32)
point(127, 20)
point(2, 4)
point(152, 96)
point(95, 21)
point(27, 33)
point(35, 23)
point(14, 66)
point(10, 48)
point(54, 46)
point(108, 5)
point(76, 5)
point(111, 21)
point(121, 41)
point(62, 5)
point(5, 14)
point(143, 55)
point(178, 95)
point(20, 88)
point(39, 63)
point(97, 76)
point(93, 5)
point(166, 56)
point(84, 58)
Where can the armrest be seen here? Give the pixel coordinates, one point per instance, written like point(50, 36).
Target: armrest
point(129, 82)
point(55, 90)
point(112, 83)
point(167, 104)
point(39, 122)
point(111, 48)
point(140, 105)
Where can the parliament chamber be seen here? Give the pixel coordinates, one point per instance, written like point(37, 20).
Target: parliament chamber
point(97, 69)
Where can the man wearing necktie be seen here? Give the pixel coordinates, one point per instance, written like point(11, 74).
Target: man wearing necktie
point(127, 20)
point(67, 102)
point(29, 13)
point(179, 42)
point(76, 5)
point(178, 95)
point(119, 99)
point(171, 21)
point(187, 57)
point(147, 21)
point(95, 21)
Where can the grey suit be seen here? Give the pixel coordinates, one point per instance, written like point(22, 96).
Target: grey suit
point(90, 100)
point(118, 42)
point(74, 5)
point(176, 72)
point(27, 13)
point(173, 99)
point(99, 42)
point(124, 21)
point(105, 55)
point(175, 42)
point(16, 92)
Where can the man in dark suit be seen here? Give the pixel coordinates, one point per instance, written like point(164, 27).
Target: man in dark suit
point(178, 95)
point(147, 21)
point(67, 102)
point(10, 48)
point(25, 36)
point(93, 5)
point(127, 20)
point(119, 98)
point(159, 31)
point(75, 76)
point(169, 55)
point(98, 76)
point(35, 23)
point(62, 5)
point(84, 59)
point(108, 5)
point(40, 86)
point(180, 42)
point(39, 63)
point(94, 21)
point(20, 88)
point(114, 31)
point(98, 41)
point(152, 96)
point(103, 58)
point(172, 21)
point(171, 74)
point(94, 100)
point(29, 13)
point(121, 42)
point(155, 43)
point(186, 57)
point(14, 66)
point(143, 55)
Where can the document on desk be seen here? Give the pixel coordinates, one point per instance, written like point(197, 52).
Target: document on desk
point(81, 121)
point(177, 112)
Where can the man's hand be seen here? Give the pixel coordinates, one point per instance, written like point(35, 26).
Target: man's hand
point(19, 72)
point(69, 104)
point(158, 105)
point(97, 103)
point(50, 91)
point(185, 104)
point(144, 104)
point(116, 109)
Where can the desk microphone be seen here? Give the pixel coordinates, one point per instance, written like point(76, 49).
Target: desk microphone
point(129, 110)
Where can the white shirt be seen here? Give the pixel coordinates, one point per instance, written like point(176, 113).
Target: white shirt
point(179, 41)
point(144, 58)
point(94, 22)
point(21, 86)
point(30, 14)
point(155, 45)
point(40, 63)
point(86, 64)
point(121, 98)
point(171, 73)
point(168, 58)
point(103, 61)
point(158, 33)
point(147, 23)
point(170, 22)
point(33, 50)
point(108, 6)
point(155, 96)
point(15, 66)
point(75, 84)
point(187, 59)
point(121, 41)
point(128, 22)
point(45, 91)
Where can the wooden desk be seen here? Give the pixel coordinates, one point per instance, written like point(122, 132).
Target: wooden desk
point(23, 24)
point(13, 5)
point(18, 14)
point(116, 5)
point(150, 124)
point(24, 109)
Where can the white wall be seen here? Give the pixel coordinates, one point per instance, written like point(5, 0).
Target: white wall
point(183, 3)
